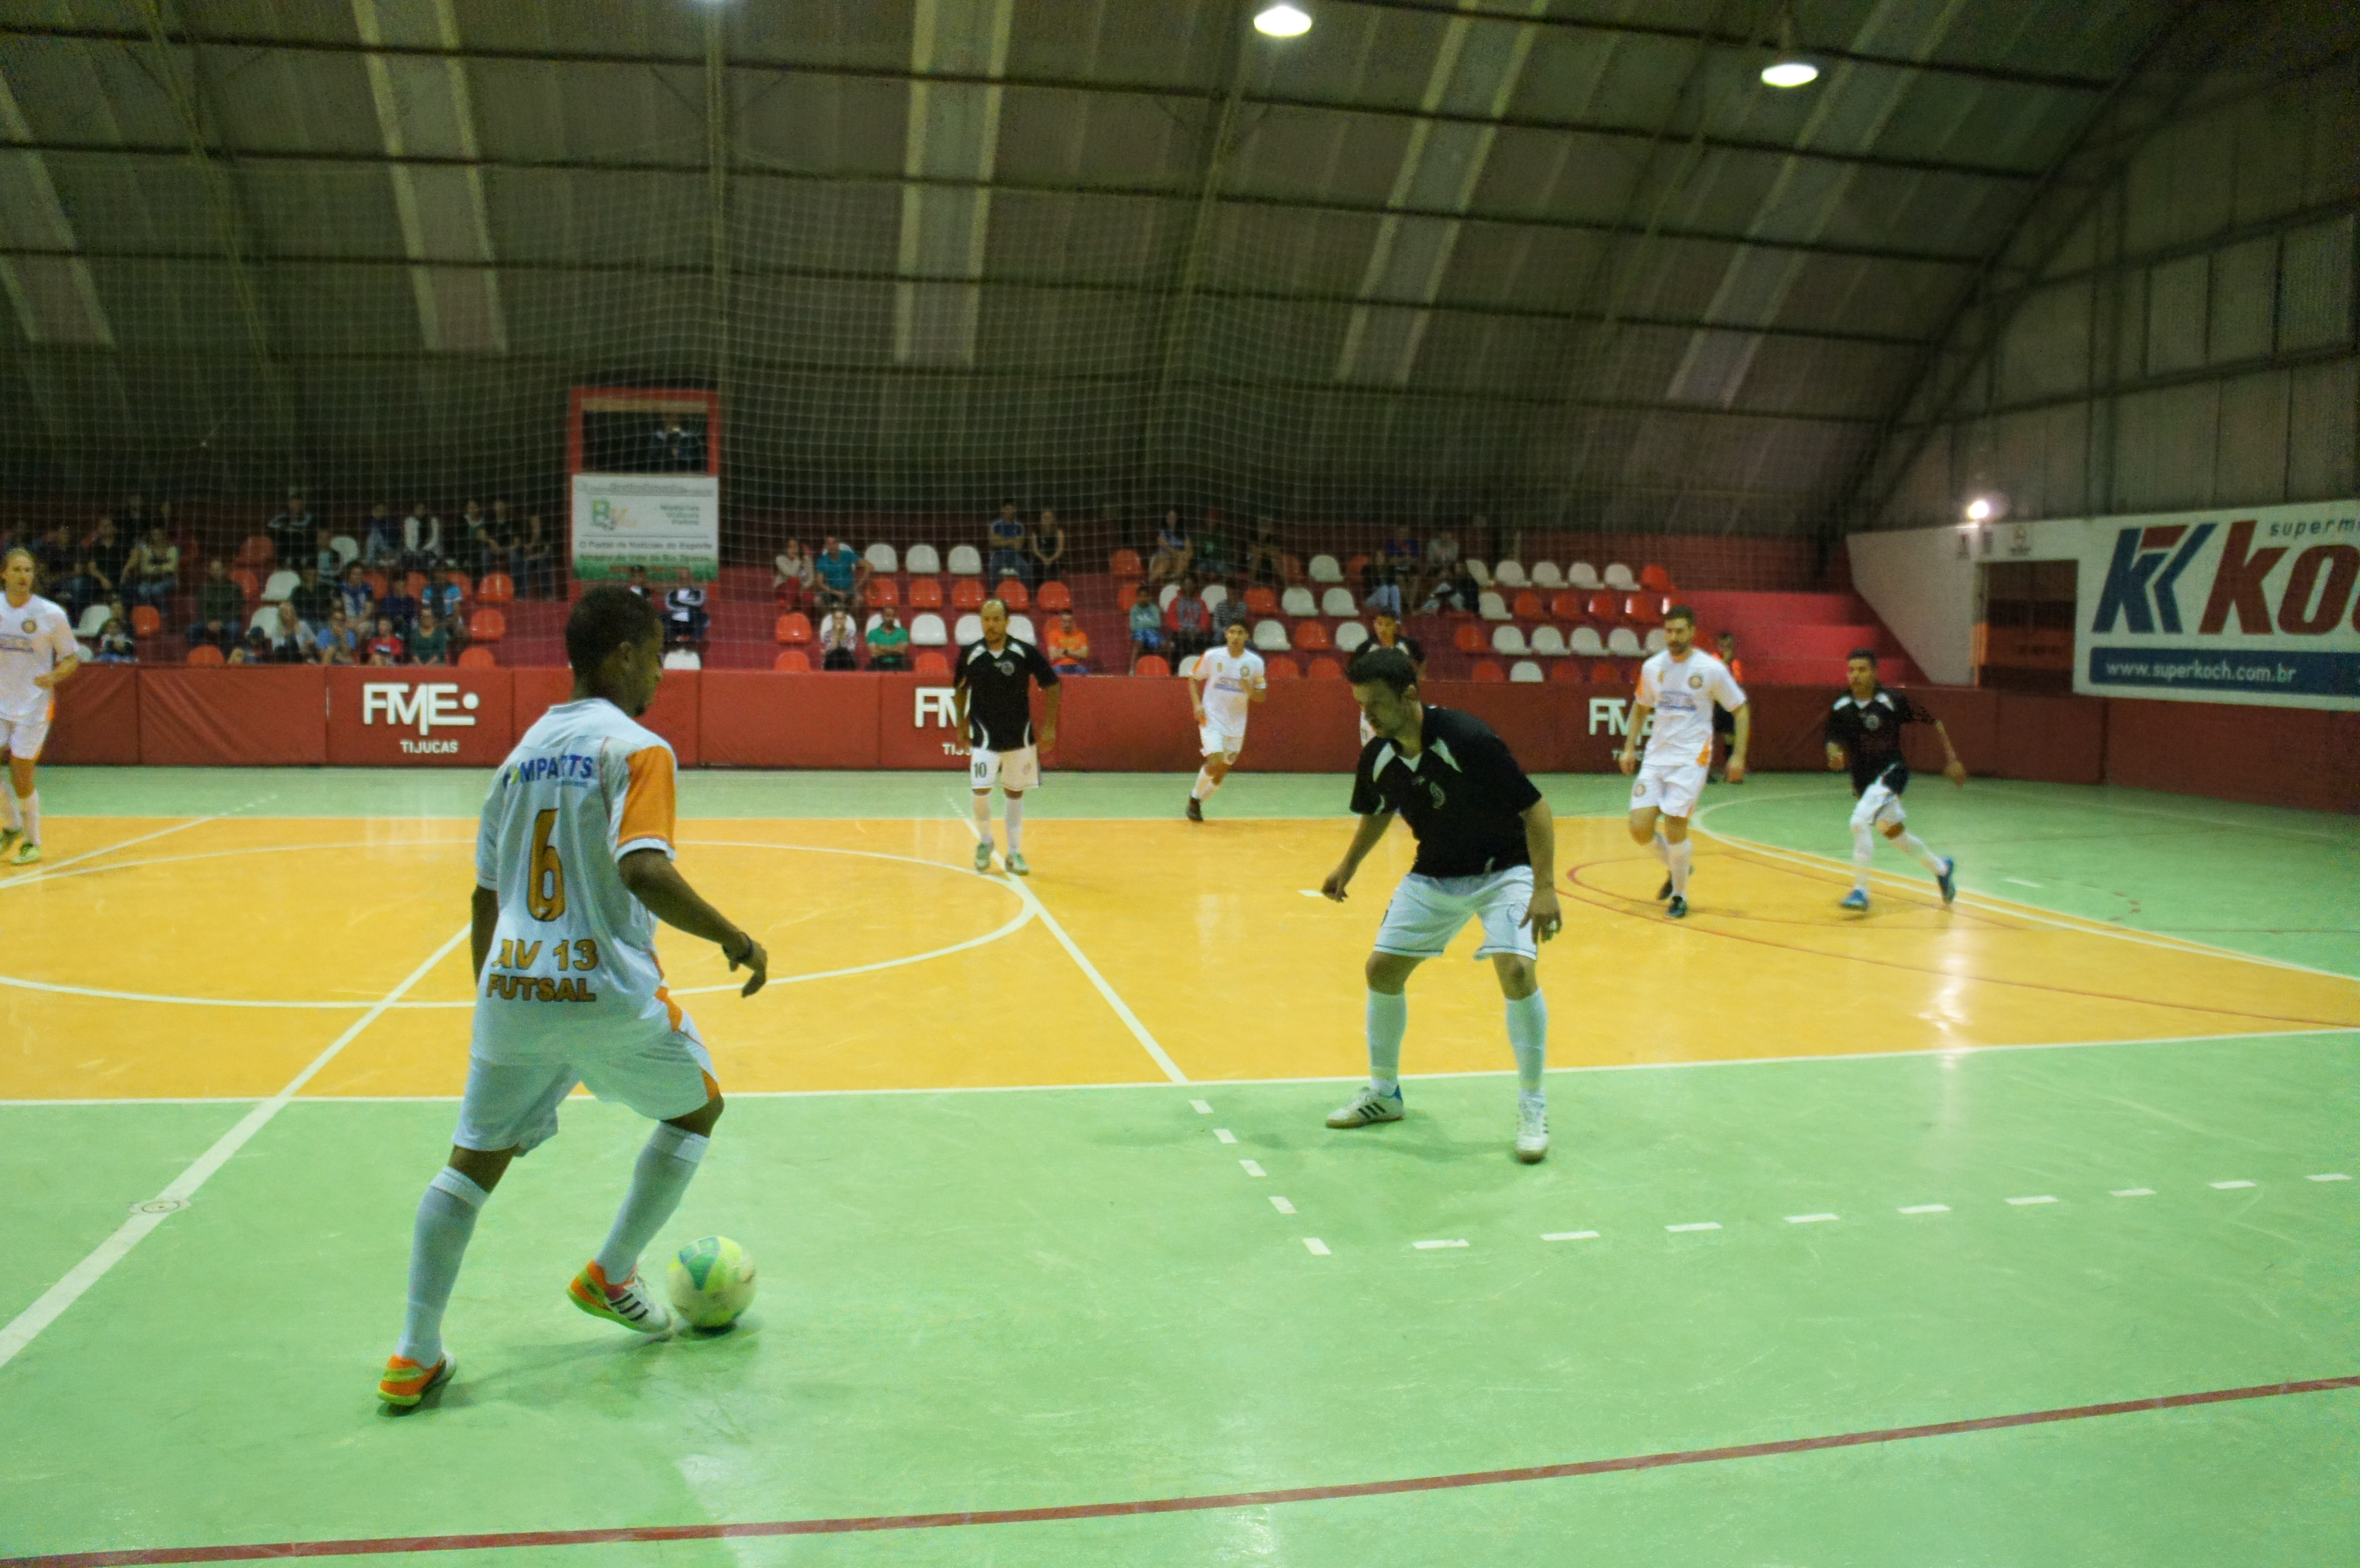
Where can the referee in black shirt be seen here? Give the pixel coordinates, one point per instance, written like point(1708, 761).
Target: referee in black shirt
point(1486, 851)
point(993, 698)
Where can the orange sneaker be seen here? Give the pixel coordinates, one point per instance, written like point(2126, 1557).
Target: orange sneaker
point(406, 1382)
point(628, 1303)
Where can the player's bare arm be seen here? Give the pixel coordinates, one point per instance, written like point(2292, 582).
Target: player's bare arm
point(1050, 702)
point(56, 675)
point(1640, 714)
point(1197, 679)
point(958, 714)
point(1260, 688)
point(486, 922)
point(1364, 839)
point(657, 883)
point(1743, 719)
point(1544, 916)
point(1836, 761)
point(1953, 769)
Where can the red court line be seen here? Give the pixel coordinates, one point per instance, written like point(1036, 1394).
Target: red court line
point(283, 1549)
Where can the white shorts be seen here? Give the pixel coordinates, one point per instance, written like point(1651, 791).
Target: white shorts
point(23, 738)
point(514, 1105)
point(1672, 788)
point(1878, 807)
point(1218, 741)
point(1427, 911)
point(1016, 770)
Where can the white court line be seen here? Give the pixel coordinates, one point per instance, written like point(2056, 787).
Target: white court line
point(1435, 1246)
point(1090, 971)
point(1701, 1224)
point(2329, 1176)
point(1282, 1205)
point(1811, 1219)
point(1202, 1108)
point(2020, 882)
point(2044, 1198)
point(44, 873)
point(1225, 1135)
point(2224, 1186)
point(1317, 1248)
point(1251, 1168)
point(1569, 1235)
point(2131, 1192)
point(1927, 1209)
point(19, 1332)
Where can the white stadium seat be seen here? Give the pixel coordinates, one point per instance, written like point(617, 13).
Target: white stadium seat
point(926, 630)
point(876, 619)
point(265, 617)
point(1297, 602)
point(923, 561)
point(1480, 573)
point(1186, 667)
point(683, 659)
point(1324, 569)
point(882, 557)
point(1623, 643)
point(1549, 641)
point(94, 621)
point(1511, 574)
point(1491, 606)
point(1525, 672)
point(348, 549)
point(1586, 644)
point(1170, 592)
point(1022, 626)
point(1508, 640)
point(1546, 575)
point(1656, 640)
point(1581, 574)
point(1337, 601)
point(966, 561)
point(1351, 637)
point(282, 585)
point(1619, 576)
point(1270, 636)
point(969, 629)
point(1213, 595)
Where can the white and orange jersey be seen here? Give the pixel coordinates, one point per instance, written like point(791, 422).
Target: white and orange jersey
point(1682, 691)
point(1229, 682)
point(36, 636)
point(572, 966)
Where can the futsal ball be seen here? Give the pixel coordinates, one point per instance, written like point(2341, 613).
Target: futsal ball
point(711, 1282)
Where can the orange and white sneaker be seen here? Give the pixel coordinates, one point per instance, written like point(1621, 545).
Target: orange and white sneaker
point(406, 1382)
point(628, 1303)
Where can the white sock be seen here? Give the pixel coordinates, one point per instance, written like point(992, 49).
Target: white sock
point(1015, 823)
point(30, 806)
point(1917, 851)
point(1660, 849)
point(661, 1176)
point(8, 817)
point(446, 1218)
point(1388, 1021)
point(1863, 850)
point(1206, 784)
point(1678, 859)
point(983, 817)
point(1528, 1035)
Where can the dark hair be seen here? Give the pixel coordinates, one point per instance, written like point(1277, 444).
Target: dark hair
point(607, 617)
point(1383, 666)
point(1728, 636)
point(1680, 613)
point(1867, 653)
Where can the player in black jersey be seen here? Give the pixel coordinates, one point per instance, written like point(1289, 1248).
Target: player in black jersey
point(1486, 852)
point(993, 687)
point(1865, 734)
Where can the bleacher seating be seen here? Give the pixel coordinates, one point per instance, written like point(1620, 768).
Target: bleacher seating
point(1297, 602)
point(923, 561)
point(1524, 671)
point(1350, 636)
point(1339, 602)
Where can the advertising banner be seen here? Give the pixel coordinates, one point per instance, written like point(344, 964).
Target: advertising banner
point(669, 523)
point(2257, 606)
point(420, 716)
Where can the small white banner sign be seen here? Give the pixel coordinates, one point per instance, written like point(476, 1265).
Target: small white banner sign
point(665, 522)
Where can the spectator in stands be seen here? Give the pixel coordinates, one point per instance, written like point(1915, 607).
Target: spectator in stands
point(359, 602)
point(1386, 633)
point(291, 531)
point(386, 646)
point(1188, 621)
point(1457, 592)
point(1005, 552)
point(1384, 594)
point(421, 540)
point(337, 642)
point(839, 640)
point(396, 603)
point(312, 598)
point(889, 641)
point(84, 586)
point(793, 575)
point(221, 608)
point(55, 555)
point(1048, 547)
point(254, 649)
point(109, 551)
point(429, 641)
point(1264, 564)
point(841, 569)
point(1069, 646)
point(1439, 565)
point(474, 543)
point(290, 640)
point(131, 517)
point(1174, 550)
point(685, 619)
point(673, 447)
point(637, 582)
point(1146, 624)
point(501, 540)
point(326, 557)
point(381, 545)
point(536, 556)
point(1231, 611)
point(152, 572)
point(444, 597)
point(95, 620)
point(114, 643)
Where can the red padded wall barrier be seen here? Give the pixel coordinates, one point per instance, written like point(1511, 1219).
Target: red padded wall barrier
point(421, 717)
point(97, 716)
point(2308, 758)
point(2054, 740)
point(246, 717)
point(673, 714)
point(757, 719)
point(897, 739)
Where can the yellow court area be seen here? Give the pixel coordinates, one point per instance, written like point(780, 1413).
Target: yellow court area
point(220, 957)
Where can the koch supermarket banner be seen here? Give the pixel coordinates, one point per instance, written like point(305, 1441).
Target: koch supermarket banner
point(666, 522)
point(2249, 605)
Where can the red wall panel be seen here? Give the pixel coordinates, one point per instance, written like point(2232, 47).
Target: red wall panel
point(243, 717)
point(2053, 740)
point(905, 737)
point(1117, 723)
point(673, 714)
point(2308, 758)
point(97, 716)
point(757, 719)
point(421, 717)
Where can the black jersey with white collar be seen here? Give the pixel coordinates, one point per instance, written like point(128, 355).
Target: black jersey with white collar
point(1463, 794)
point(1000, 691)
point(1870, 734)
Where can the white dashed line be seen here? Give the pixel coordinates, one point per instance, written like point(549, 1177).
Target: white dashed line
point(1282, 1205)
point(1927, 1209)
point(1317, 1248)
point(2224, 1186)
point(1811, 1219)
point(2020, 882)
point(1202, 1108)
point(1251, 1168)
point(2329, 1176)
point(1431, 1246)
point(1225, 1135)
point(1701, 1224)
point(1569, 1235)
point(2042, 1199)
point(1311, 892)
point(2133, 1192)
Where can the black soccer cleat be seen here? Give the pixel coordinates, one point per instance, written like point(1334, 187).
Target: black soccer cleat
point(1195, 809)
point(1678, 908)
point(1665, 891)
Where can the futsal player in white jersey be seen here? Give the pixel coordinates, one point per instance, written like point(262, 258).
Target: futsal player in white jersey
point(37, 651)
point(1681, 686)
point(1228, 682)
point(573, 867)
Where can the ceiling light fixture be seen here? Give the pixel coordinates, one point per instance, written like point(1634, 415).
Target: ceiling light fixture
point(1282, 21)
point(1789, 69)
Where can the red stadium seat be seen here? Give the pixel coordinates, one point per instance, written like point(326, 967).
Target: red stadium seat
point(476, 657)
point(414, 584)
point(925, 594)
point(1151, 664)
point(1567, 671)
point(487, 625)
point(932, 661)
point(884, 590)
point(1278, 667)
point(1313, 635)
point(794, 660)
point(1644, 610)
point(1469, 638)
point(1485, 671)
point(1565, 606)
point(377, 583)
point(1326, 669)
point(145, 621)
point(1655, 577)
point(1261, 600)
point(205, 653)
point(966, 593)
point(256, 553)
point(496, 588)
point(1011, 593)
point(1606, 609)
point(1527, 606)
point(1056, 596)
point(794, 627)
point(466, 586)
point(1124, 563)
point(1290, 568)
point(1605, 673)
